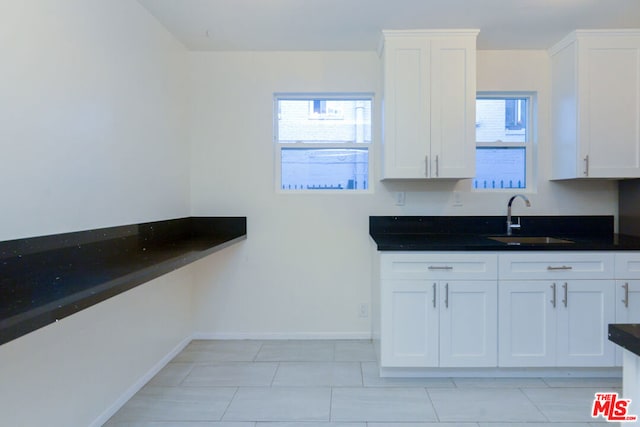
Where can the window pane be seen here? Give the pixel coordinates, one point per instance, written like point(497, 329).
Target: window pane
point(324, 120)
point(325, 169)
point(503, 120)
point(500, 168)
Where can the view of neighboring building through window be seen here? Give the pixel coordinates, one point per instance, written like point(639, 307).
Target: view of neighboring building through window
point(503, 142)
point(323, 142)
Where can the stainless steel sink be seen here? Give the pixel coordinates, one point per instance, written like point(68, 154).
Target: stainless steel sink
point(530, 240)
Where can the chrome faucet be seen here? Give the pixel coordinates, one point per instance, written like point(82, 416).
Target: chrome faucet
point(510, 225)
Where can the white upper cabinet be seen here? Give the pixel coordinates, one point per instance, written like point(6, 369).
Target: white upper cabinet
point(596, 105)
point(429, 104)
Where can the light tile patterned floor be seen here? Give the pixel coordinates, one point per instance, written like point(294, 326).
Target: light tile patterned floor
point(336, 384)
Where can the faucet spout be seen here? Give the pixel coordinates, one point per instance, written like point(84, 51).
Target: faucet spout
point(510, 224)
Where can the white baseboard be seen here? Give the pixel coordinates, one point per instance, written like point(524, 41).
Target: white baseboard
point(135, 387)
point(282, 336)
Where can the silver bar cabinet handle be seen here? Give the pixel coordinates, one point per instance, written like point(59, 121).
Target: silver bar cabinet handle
point(564, 267)
point(434, 295)
point(446, 295)
point(440, 267)
point(566, 293)
point(586, 165)
point(553, 300)
point(437, 166)
point(626, 295)
point(426, 166)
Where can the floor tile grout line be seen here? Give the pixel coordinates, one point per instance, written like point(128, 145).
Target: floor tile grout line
point(534, 404)
point(433, 406)
point(275, 373)
point(255, 356)
point(181, 383)
point(330, 404)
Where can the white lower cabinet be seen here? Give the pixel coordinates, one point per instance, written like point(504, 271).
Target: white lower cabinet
point(628, 301)
point(504, 309)
point(627, 308)
point(433, 314)
point(469, 324)
point(555, 309)
point(409, 324)
point(446, 324)
point(627, 292)
point(527, 326)
point(586, 309)
point(560, 323)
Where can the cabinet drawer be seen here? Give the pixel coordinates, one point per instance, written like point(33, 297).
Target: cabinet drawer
point(627, 265)
point(556, 265)
point(439, 266)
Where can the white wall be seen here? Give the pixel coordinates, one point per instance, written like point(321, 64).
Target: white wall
point(69, 373)
point(92, 117)
point(300, 270)
point(92, 134)
point(305, 267)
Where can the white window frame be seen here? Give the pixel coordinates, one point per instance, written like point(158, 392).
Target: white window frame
point(529, 145)
point(278, 146)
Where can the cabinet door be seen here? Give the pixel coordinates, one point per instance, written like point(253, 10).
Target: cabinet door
point(409, 324)
point(609, 106)
point(627, 307)
point(564, 110)
point(468, 324)
point(527, 327)
point(407, 115)
point(628, 301)
point(585, 309)
point(453, 100)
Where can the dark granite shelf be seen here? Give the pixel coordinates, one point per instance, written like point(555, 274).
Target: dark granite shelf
point(471, 233)
point(626, 336)
point(44, 279)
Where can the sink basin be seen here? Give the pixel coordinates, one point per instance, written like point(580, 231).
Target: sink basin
point(530, 240)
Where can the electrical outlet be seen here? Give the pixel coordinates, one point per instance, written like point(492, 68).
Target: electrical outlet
point(400, 196)
point(363, 310)
point(457, 199)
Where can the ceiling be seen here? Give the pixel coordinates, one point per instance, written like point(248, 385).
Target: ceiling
point(357, 24)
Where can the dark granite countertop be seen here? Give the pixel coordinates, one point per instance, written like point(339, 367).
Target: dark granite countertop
point(626, 335)
point(465, 233)
point(44, 279)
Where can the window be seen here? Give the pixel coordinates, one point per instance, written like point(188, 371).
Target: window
point(515, 114)
point(503, 142)
point(322, 142)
